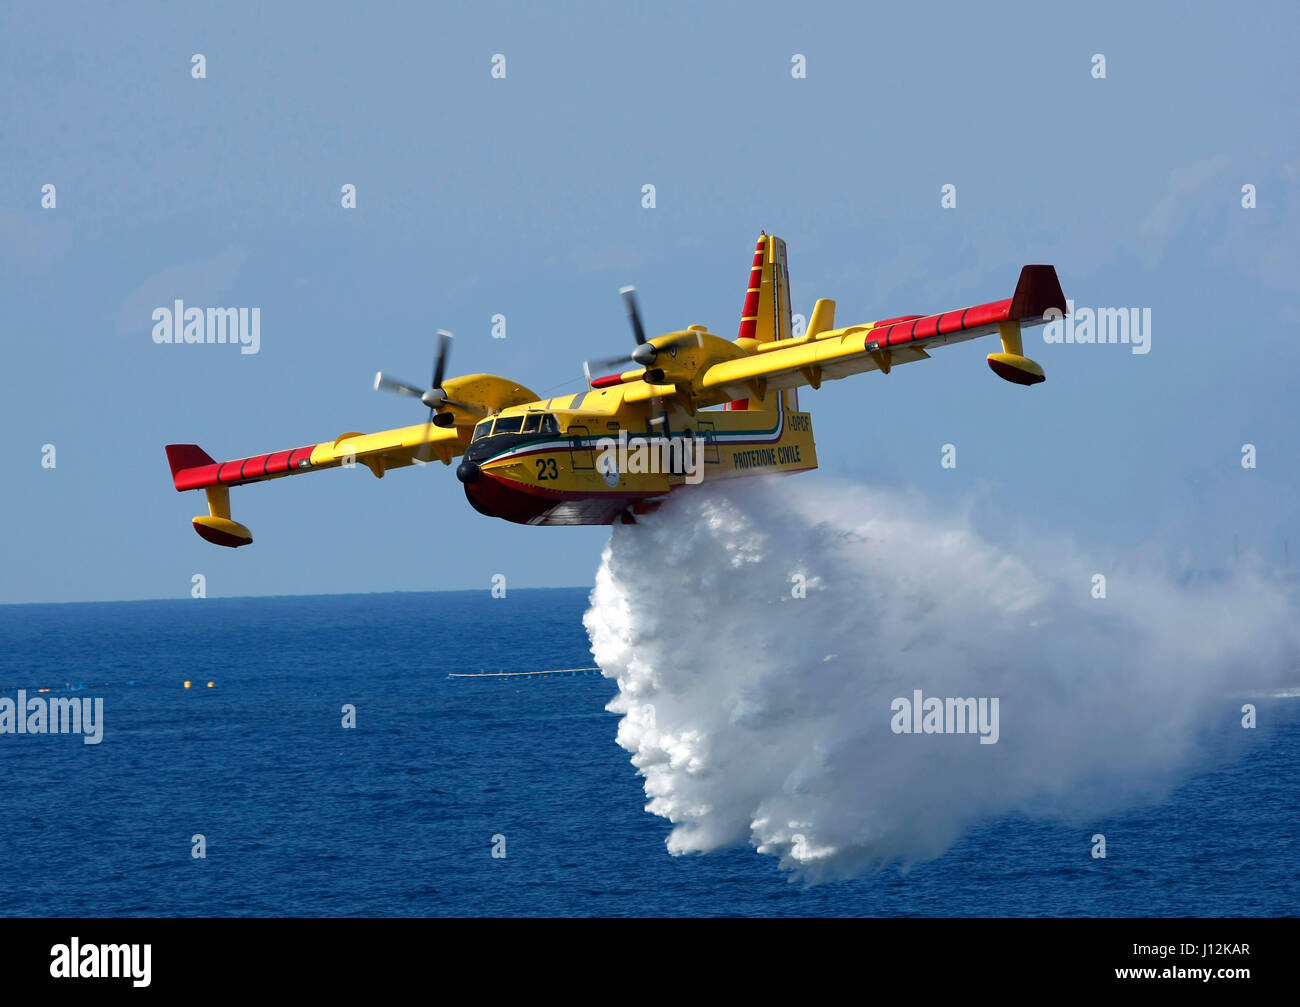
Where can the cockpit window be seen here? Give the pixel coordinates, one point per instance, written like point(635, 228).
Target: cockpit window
point(532, 423)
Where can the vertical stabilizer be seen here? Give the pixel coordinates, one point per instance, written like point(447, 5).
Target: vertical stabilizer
point(766, 315)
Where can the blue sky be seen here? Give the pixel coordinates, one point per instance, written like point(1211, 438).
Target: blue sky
point(522, 196)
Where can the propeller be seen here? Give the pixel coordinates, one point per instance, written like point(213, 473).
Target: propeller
point(434, 397)
point(646, 353)
point(633, 313)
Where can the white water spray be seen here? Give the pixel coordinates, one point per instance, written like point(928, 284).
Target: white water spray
point(760, 717)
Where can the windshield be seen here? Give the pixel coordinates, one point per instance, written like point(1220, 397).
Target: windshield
point(533, 423)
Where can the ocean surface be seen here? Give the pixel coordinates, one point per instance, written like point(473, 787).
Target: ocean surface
point(302, 817)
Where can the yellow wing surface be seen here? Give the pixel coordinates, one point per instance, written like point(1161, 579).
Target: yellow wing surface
point(442, 439)
point(720, 371)
point(192, 467)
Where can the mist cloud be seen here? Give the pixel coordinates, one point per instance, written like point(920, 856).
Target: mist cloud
point(762, 718)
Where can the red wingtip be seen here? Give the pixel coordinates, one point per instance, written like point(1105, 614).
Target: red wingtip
point(1037, 290)
point(185, 456)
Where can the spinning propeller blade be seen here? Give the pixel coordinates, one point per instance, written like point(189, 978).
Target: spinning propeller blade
point(434, 397)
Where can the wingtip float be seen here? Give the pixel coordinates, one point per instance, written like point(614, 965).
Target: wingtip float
point(694, 406)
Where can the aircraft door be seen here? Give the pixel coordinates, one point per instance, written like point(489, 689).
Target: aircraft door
point(583, 456)
point(705, 428)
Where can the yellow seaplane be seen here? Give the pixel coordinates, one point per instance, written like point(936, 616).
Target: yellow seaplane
point(693, 407)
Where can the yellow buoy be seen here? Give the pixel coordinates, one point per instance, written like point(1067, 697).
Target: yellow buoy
point(188, 684)
point(211, 684)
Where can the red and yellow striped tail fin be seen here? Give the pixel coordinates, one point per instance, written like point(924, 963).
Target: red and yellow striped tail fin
point(766, 315)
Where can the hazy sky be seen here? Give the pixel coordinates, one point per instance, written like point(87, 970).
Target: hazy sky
point(522, 196)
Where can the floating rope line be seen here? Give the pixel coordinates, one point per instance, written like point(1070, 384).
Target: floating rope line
point(570, 672)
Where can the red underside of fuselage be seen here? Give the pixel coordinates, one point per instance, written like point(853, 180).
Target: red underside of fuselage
point(504, 498)
point(526, 505)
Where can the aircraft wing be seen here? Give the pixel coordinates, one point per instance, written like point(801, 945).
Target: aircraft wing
point(192, 468)
point(825, 353)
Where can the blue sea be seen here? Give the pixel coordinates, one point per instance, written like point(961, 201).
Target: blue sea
point(301, 817)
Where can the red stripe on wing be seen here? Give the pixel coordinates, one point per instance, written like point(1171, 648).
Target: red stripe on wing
point(918, 328)
point(193, 469)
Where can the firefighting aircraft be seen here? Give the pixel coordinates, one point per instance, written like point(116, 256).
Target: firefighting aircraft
point(581, 459)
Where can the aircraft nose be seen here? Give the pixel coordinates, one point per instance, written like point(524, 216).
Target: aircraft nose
point(468, 472)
